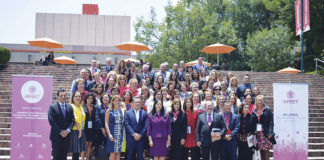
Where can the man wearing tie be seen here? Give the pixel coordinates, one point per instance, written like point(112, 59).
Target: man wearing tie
point(210, 124)
point(61, 119)
point(146, 73)
point(109, 66)
point(229, 143)
point(135, 124)
point(163, 72)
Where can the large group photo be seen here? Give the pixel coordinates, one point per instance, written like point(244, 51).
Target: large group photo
point(162, 80)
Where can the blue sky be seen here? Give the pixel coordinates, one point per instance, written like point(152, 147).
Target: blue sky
point(18, 16)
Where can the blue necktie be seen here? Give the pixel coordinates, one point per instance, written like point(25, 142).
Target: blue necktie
point(63, 110)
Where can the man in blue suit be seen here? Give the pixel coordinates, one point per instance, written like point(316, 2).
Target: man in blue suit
point(61, 119)
point(208, 123)
point(135, 124)
point(229, 143)
point(109, 67)
point(200, 65)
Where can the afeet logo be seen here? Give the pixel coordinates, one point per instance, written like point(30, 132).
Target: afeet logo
point(32, 91)
point(290, 94)
point(290, 98)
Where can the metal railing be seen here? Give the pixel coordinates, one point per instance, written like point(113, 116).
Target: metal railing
point(316, 64)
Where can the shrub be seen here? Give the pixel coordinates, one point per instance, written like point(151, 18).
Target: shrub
point(5, 55)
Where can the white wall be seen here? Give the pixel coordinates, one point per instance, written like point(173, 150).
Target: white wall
point(82, 29)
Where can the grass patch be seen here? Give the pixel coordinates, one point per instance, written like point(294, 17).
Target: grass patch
point(321, 72)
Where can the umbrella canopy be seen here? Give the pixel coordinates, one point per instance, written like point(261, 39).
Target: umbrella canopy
point(65, 60)
point(289, 70)
point(45, 43)
point(132, 60)
point(196, 62)
point(217, 48)
point(133, 46)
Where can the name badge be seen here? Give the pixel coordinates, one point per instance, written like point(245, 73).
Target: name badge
point(189, 130)
point(259, 127)
point(89, 124)
point(250, 140)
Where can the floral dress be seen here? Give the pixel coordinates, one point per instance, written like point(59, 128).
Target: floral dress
point(116, 127)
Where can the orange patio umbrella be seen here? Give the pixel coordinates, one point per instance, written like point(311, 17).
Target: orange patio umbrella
point(217, 48)
point(65, 60)
point(133, 46)
point(289, 70)
point(196, 62)
point(45, 43)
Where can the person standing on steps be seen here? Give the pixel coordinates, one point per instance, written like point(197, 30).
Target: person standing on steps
point(61, 119)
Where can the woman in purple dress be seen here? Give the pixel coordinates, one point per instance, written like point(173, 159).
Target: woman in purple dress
point(159, 131)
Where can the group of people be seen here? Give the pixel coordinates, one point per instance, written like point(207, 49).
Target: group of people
point(173, 113)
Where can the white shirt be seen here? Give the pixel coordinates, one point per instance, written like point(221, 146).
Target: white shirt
point(137, 114)
point(149, 106)
point(62, 105)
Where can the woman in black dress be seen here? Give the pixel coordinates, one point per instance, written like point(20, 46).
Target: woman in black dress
point(90, 111)
point(178, 122)
point(247, 128)
point(101, 141)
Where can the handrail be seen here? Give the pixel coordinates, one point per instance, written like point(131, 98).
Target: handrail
point(316, 65)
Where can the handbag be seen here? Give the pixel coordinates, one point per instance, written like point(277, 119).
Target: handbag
point(256, 155)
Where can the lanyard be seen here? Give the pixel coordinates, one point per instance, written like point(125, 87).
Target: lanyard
point(104, 106)
point(227, 118)
point(90, 111)
point(259, 112)
point(191, 117)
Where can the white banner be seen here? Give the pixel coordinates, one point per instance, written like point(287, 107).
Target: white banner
point(291, 120)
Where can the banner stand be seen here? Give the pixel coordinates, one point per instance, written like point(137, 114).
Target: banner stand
point(290, 120)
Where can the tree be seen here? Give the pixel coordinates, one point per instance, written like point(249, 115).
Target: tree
point(313, 39)
point(5, 55)
point(193, 24)
point(270, 50)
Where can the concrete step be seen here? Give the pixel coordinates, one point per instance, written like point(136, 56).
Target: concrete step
point(315, 139)
point(5, 136)
point(5, 130)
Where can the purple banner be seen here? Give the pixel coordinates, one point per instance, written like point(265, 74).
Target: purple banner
point(31, 97)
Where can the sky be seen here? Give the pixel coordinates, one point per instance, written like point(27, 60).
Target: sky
point(18, 16)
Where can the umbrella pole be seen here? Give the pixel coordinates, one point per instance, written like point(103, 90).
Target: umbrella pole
point(44, 55)
point(218, 59)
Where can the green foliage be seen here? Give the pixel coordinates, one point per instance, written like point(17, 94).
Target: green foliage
point(193, 24)
point(313, 39)
point(270, 50)
point(5, 55)
point(320, 72)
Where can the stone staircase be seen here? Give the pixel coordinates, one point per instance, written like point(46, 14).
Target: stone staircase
point(64, 74)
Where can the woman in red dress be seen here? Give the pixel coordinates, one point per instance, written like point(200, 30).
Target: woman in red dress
point(190, 142)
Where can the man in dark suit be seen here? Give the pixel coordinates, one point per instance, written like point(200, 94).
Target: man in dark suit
point(229, 143)
point(61, 119)
point(208, 123)
point(145, 73)
point(247, 84)
point(175, 68)
point(109, 67)
point(135, 124)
